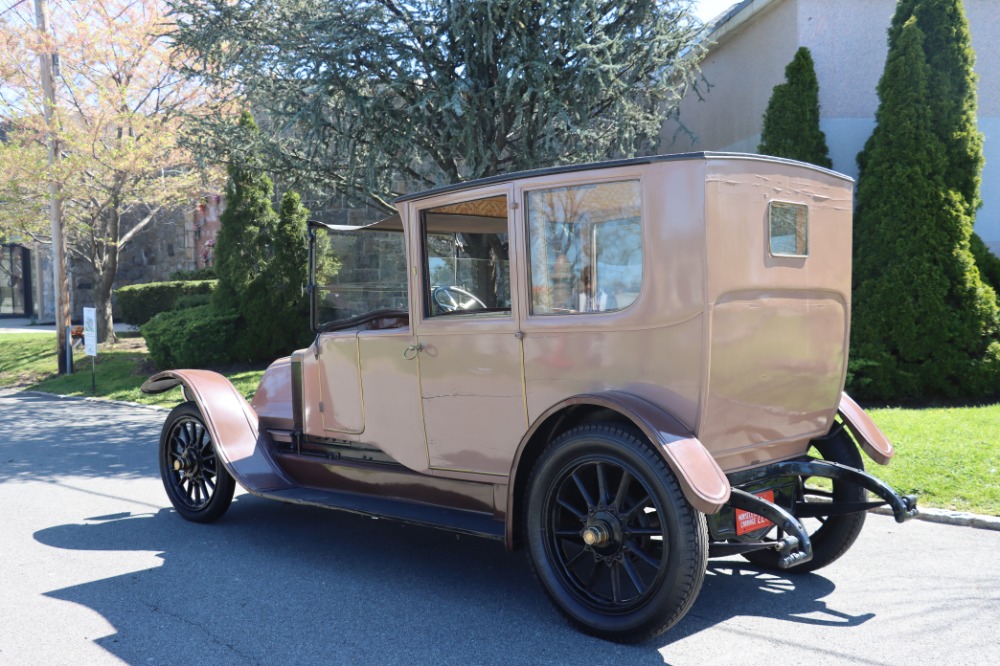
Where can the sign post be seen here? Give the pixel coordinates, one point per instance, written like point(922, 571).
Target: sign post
point(90, 343)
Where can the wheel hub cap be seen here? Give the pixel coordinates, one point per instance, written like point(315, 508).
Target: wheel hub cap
point(597, 534)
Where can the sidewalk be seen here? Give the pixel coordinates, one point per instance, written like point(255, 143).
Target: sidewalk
point(23, 325)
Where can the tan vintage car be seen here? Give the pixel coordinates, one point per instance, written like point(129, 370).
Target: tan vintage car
point(624, 368)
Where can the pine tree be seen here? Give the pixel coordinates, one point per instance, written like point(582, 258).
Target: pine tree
point(791, 121)
point(247, 226)
point(274, 304)
point(923, 322)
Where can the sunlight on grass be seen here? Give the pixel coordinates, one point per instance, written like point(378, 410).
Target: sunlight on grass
point(28, 361)
point(949, 456)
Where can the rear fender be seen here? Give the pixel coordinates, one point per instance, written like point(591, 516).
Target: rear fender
point(872, 440)
point(701, 479)
point(231, 422)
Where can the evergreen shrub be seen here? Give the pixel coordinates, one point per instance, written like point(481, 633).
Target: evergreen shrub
point(141, 302)
point(207, 273)
point(791, 121)
point(197, 337)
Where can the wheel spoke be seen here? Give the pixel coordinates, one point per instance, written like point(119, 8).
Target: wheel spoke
point(645, 531)
point(582, 489)
point(616, 582)
point(566, 505)
point(623, 486)
point(602, 486)
point(638, 505)
point(633, 575)
point(640, 553)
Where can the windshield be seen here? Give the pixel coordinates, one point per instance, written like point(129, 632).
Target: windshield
point(356, 271)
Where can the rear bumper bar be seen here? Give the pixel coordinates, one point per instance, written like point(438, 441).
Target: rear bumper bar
point(794, 546)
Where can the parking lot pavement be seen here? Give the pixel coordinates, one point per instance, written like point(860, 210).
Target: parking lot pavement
point(96, 569)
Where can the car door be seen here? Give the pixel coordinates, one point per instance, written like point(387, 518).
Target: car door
point(469, 340)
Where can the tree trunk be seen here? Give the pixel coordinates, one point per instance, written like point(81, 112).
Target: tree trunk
point(104, 280)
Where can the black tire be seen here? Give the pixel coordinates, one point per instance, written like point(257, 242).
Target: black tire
point(831, 536)
point(197, 483)
point(647, 563)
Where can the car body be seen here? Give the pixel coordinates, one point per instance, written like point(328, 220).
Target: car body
point(623, 367)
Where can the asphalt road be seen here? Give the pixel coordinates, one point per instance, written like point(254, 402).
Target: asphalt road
point(95, 569)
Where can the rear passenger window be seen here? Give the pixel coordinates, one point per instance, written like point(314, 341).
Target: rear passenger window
point(585, 244)
point(789, 225)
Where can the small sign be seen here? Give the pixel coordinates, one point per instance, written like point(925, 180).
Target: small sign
point(747, 522)
point(90, 331)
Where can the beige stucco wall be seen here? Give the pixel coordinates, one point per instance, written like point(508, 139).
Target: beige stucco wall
point(848, 43)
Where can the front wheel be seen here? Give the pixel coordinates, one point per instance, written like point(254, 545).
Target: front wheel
point(198, 485)
point(617, 548)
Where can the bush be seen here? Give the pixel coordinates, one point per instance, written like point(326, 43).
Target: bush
point(207, 273)
point(141, 302)
point(195, 337)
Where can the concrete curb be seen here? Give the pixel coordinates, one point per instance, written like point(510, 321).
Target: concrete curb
point(929, 514)
point(947, 517)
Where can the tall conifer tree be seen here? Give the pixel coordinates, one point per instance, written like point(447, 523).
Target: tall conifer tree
point(248, 223)
point(791, 121)
point(924, 324)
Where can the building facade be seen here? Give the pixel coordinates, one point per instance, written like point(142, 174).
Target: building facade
point(751, 44)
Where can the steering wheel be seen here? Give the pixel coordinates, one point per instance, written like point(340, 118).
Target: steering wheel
point(453, 298)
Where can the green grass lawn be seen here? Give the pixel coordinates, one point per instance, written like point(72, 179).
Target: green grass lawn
point(28, 361)
point(950, 457)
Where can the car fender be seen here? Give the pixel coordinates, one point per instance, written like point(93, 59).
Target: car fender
point(231, 422)
point(702, 481)
point(872, 440)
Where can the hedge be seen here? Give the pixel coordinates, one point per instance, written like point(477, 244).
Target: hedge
point(196, 337)
point(141, 302)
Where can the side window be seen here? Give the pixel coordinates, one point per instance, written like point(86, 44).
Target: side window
point(466, 261)
point(789, 229)
point(586, 247)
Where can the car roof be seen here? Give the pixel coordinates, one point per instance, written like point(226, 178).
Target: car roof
point(591, 166)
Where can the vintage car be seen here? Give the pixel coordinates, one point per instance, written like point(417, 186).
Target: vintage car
point(623, 368)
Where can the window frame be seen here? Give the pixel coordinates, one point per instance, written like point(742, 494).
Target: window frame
point(638, 180)
point(770, 229)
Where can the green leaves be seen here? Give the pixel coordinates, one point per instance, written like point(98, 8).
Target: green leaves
point(791, 121)
point(362, 97)
point(923, 320)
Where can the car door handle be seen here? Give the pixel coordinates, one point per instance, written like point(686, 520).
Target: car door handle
point(411, 352)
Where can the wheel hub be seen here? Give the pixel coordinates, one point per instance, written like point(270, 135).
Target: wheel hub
point(603, 532)
point(187, 464)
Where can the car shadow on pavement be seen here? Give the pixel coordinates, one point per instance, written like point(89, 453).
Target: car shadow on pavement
point(273, 583)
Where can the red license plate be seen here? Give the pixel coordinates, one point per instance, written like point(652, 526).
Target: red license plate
point(747, 522)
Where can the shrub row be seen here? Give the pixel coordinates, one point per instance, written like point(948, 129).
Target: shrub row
point(141, 302)
point(195, 337)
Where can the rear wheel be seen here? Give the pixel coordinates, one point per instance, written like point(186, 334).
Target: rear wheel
point(831, 536)
point(617, 548)
point(198, 485)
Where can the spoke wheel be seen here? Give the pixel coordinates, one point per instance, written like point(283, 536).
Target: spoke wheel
point(610, 536)
point(831, 536)
point(198, 485)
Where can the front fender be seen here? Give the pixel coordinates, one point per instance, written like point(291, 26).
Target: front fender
point(232, 423)
point(702, 481)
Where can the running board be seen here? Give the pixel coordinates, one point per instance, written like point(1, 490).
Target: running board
point(415, 513)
